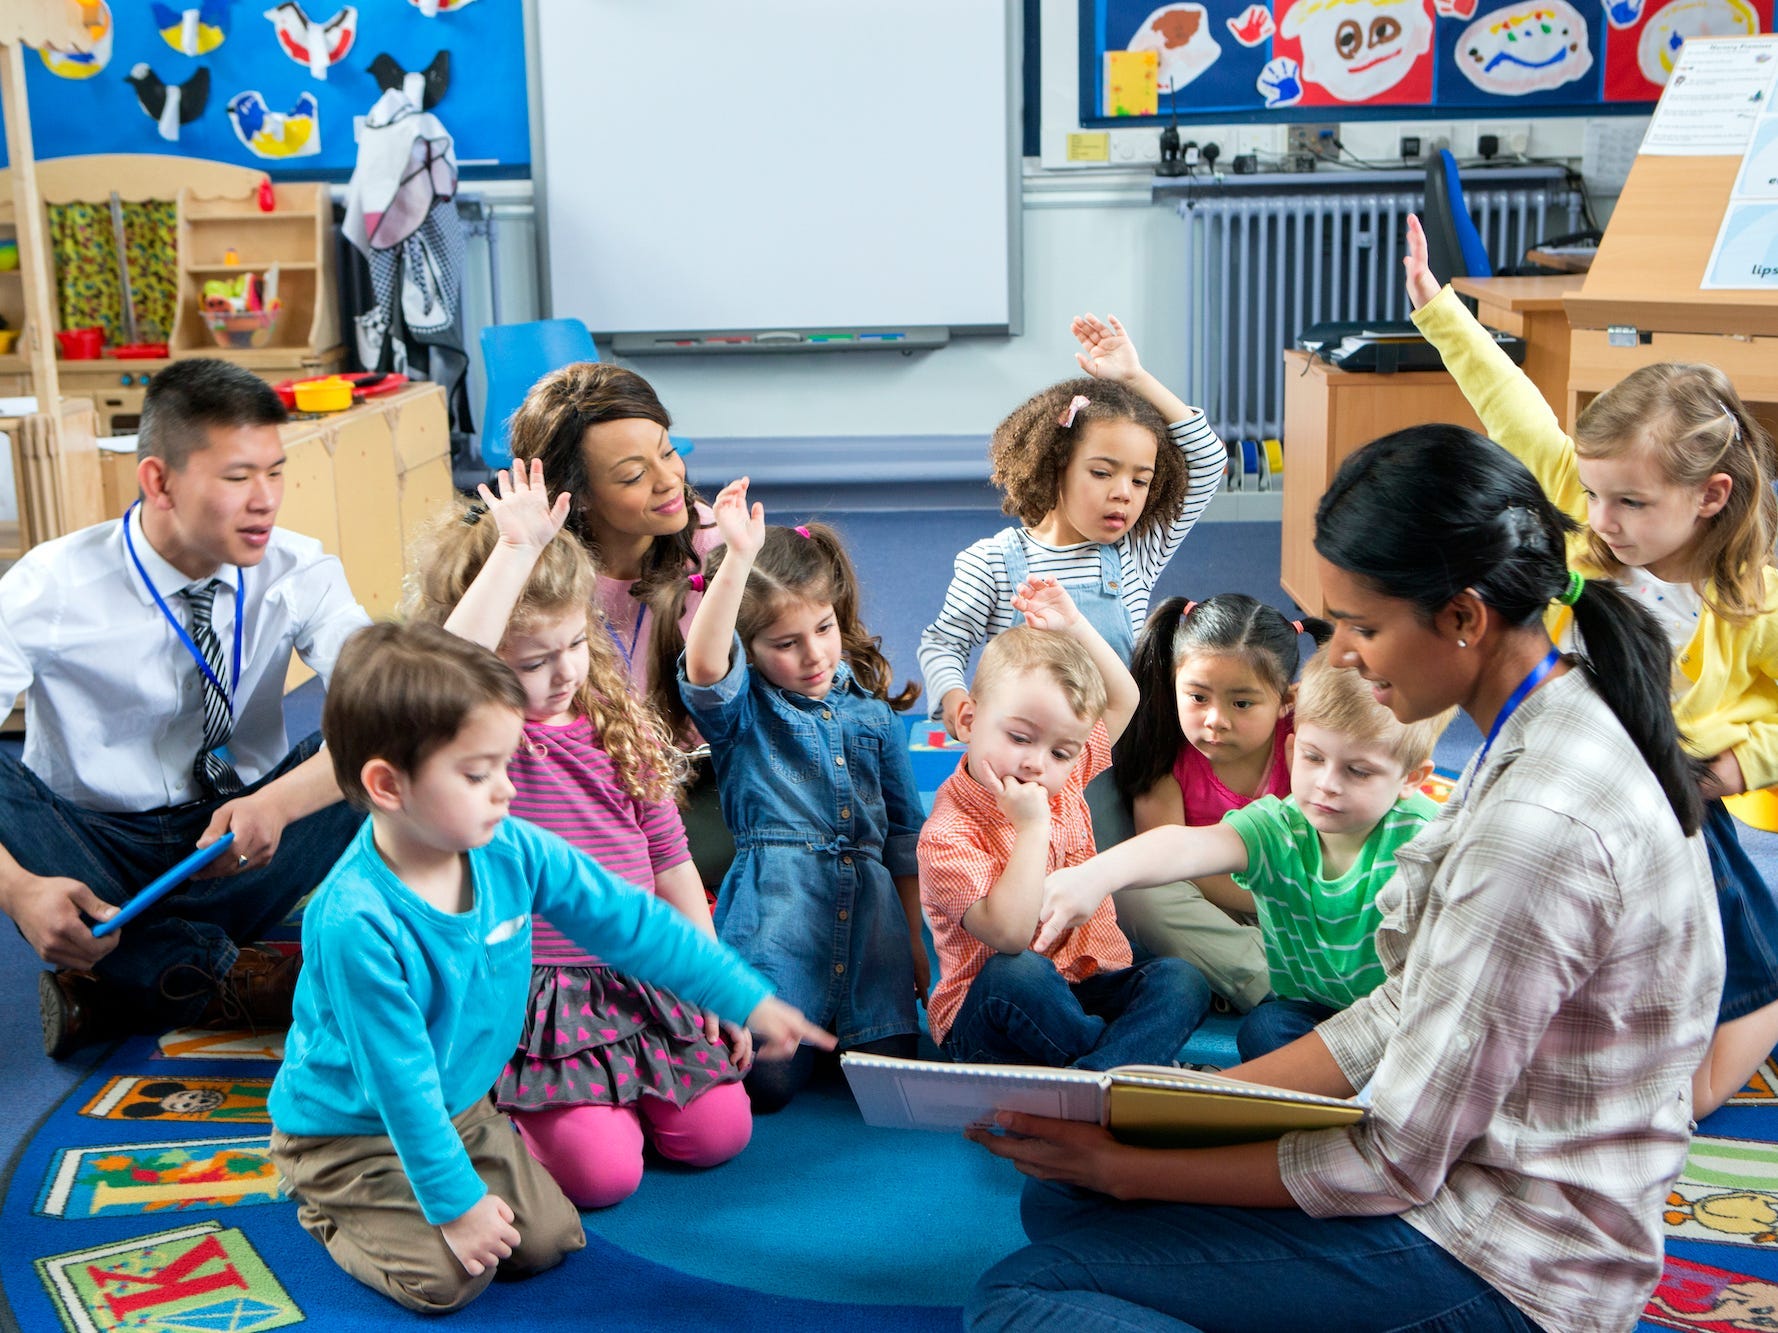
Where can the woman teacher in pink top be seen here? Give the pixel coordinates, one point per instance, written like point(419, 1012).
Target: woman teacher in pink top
point(601, 433)
point(1552, 961)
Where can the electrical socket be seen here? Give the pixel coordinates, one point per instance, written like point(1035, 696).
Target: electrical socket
point(1433, 135)
point(1265, 140)
point(1514, 137)
point(1313, 139)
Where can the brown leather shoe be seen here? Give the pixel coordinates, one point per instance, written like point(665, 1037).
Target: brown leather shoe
point(77, 1009)
point(256, 993)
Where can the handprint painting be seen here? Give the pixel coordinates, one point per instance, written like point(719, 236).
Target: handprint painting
point(1525, 48)
point(1182, 35)
point(1354, 51)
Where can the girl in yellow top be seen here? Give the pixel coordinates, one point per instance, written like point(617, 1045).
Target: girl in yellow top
point(1673, 478)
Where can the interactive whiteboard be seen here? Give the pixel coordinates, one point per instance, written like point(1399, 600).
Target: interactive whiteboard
point(778, 166)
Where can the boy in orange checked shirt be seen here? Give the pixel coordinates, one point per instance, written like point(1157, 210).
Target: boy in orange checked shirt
point(1049, 699)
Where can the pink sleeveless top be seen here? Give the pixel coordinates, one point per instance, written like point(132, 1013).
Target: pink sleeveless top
point(1207, 800)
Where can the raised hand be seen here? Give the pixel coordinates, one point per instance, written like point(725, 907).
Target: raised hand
point(1046, 604)
point(1422, 286)
point(743, 530)
point(522, 510)
point(1106, 351)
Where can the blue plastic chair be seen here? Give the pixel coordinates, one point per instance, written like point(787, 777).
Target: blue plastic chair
point(515, 357)
point(1454, 246)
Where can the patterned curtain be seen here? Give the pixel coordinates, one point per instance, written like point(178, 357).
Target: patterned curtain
point(85, 250)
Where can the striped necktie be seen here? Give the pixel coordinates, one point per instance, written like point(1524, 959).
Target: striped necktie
point(214, 774)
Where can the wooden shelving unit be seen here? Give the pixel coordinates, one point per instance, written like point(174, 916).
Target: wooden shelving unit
point(297, 236)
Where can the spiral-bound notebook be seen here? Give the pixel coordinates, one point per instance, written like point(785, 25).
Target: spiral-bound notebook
point(1147, 1104)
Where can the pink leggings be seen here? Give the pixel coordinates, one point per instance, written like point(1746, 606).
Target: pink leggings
point(595, 1152)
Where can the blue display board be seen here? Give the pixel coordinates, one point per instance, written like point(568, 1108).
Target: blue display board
point(1307, 59)
point(260, 97)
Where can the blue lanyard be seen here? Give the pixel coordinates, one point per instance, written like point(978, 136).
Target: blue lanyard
point(635, 635)
point(173, 620)
point(1517, 697)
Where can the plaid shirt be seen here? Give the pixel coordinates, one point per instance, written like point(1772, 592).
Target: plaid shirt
point(1553, 958)
point(963, 850)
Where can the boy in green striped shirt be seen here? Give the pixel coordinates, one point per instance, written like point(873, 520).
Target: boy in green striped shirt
point(1310, 864)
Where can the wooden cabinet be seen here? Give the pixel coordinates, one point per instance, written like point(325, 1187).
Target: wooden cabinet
point(226, 237)
point(1328, 414)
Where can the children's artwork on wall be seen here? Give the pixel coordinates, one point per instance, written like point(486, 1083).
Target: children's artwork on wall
point(433, 8)
point(83, 104)
point(1525, 48)
point(170, 105)
point(192, 30)
point(1356, 51)
point(1132, 83)
point(1643, 50)
point(434, 80)
point(276, 134)
point(1376, 58)
point(83, 64)
point(1184, 39)
point(310, 42)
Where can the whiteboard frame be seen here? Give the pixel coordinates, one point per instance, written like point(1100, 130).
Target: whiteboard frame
point(1013, 156)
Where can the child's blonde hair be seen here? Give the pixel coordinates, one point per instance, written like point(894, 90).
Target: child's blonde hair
point(1338, 699)
point(1057, 656)
point(448, 557)
point(1695, 425)
point(806, 564)
point(1031, 450)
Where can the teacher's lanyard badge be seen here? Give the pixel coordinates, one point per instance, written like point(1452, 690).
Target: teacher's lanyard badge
point(1513, 700)
point(227, 693)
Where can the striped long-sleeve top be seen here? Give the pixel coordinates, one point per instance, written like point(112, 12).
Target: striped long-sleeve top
point(978, 604)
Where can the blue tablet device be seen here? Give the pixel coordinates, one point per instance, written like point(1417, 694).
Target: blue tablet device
point(165, 884)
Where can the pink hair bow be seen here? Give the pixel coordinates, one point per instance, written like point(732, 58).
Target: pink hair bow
point(1075, 403)
point(697, 582)
point(801, 531)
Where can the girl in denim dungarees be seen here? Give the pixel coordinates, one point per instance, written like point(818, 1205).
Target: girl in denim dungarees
point(1105, 490)
point(813, 771)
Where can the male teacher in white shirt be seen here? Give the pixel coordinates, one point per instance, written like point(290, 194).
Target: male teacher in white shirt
point(152, 654)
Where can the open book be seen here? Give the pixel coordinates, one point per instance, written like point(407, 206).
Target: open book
point(1146, 1104)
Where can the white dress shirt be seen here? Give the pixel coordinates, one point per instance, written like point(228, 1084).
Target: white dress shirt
point(114, 710)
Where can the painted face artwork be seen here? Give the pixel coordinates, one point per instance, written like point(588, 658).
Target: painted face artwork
point(1657, 49)
point(1358, 49)
point(1181, 35)
point(1525, 48)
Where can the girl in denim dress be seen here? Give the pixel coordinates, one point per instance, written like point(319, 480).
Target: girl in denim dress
point(792, 693)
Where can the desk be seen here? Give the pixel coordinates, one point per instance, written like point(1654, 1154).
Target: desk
point(1565, 259)
point(1328, 414)
point(1531, 308)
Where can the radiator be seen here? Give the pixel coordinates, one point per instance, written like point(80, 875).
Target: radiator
point(1263, 267)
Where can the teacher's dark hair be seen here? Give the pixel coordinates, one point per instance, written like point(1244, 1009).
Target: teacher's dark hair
point(1427, 512)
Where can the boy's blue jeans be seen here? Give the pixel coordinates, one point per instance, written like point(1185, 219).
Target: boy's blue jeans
point(1095, 1263)
point(1020, 1010)
point(198, 928)
point(1274, 1023)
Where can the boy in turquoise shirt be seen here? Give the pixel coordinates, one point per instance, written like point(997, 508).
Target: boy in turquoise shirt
point(1310, 864)
point(418, 963)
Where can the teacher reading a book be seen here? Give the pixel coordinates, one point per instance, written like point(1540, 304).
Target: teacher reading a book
point(1552, 962)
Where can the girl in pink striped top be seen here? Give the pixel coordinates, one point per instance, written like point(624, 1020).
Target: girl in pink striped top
point(605, 1061)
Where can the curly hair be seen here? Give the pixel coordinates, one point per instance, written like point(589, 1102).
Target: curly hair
point(449, 555)
point(1031, 450)
point(807, 564)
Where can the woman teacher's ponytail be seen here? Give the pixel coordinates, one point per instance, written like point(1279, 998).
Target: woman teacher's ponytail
point(1428, 512)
